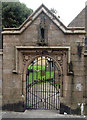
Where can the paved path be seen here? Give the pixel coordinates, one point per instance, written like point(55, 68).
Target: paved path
point(40, 114)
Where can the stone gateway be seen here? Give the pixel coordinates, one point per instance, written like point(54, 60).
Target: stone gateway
point(30, 54)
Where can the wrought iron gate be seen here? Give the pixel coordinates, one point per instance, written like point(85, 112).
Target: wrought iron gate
point(43, 84)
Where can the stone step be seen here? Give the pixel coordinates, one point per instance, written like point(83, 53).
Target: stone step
point(40, 114)
point(43, 119)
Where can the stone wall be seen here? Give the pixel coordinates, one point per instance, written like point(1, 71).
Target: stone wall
point(73, 83)
point(0, 79)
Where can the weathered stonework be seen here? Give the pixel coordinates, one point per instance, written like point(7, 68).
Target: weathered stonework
point(1, 53)
point(20, 48)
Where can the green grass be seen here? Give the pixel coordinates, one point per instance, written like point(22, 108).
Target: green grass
point(37, 76)
point(29, 105)
point(36, 67)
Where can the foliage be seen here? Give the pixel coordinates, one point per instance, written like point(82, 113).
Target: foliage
point(37, 76)
point(53, 10)
point(14, 14)
point(29, 105)
point(36, 67)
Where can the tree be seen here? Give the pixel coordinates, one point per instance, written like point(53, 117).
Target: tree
point(53, 10)
point(14, 14)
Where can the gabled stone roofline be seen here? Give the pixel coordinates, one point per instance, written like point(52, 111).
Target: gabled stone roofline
point(76, 28)
point(58, 23)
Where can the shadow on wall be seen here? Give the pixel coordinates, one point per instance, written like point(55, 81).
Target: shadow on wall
point(68, 110)
point(17, 107)
point(20, 107)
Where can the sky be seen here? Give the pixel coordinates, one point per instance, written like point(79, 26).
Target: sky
point(66, 9)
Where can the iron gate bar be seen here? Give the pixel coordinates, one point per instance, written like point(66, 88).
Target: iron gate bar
point(36, 82)
point(34, 96)
point(37, 78)
point(46, 102)
point(50, 78)
point(53, 78)
point(48, 93)
point(45, 99)
point(43, 83)
point(48, 89)
point(58, 101)
point(54, 82)
point(32, 81)
point(26, 87)
point(45, 80)
point(29, 89)
point(41, 74)
point(57, 87)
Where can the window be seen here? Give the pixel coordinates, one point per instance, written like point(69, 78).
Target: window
point(42, 33)
point(85, 41)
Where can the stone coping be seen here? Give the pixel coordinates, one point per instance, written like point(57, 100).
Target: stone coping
point(47, 12)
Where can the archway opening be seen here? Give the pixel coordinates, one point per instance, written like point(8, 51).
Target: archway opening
point(43, 84)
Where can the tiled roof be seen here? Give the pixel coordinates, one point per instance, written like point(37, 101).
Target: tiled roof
point(79, 20)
